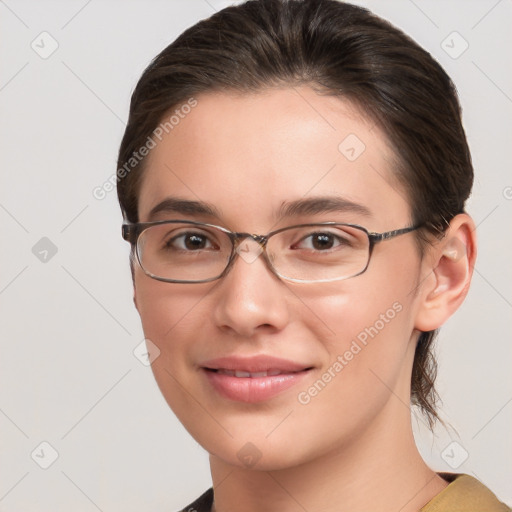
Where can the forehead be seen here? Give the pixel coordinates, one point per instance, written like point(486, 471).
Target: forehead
point(248, 155)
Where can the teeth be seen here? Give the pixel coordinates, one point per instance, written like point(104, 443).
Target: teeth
point(259, 374)
point(241, 373)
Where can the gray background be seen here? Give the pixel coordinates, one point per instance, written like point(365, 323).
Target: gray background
point(68, 373)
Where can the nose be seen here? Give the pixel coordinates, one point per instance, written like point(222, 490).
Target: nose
point(250, 298)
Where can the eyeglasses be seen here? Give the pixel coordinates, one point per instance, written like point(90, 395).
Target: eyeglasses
point(182, 251)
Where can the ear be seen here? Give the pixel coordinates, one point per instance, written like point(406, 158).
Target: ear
point(448, 268)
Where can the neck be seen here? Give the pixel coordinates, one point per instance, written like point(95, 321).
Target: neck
point(379, 469)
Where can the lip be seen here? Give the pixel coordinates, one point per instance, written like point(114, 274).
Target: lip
point(257, 388)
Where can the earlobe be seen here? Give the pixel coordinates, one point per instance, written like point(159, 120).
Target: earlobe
point(451, 267)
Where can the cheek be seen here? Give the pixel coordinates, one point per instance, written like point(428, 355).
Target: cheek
point(362, 309)
point(171, 318)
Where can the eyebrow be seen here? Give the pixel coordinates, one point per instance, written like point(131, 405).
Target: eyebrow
point(323, 204)
point(310, 206)
point(184, 206)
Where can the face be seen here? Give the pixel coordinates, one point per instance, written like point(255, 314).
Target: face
point(248, 156)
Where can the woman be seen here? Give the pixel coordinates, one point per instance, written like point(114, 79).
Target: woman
point(293, 178)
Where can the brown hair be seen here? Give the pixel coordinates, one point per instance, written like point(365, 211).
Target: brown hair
point(339, 49)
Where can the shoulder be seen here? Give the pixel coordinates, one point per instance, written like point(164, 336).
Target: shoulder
point(202, 504)
point(464, 493)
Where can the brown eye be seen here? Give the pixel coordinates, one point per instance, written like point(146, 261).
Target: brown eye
point(189, 242)
point(321, 241)
point(195, 242)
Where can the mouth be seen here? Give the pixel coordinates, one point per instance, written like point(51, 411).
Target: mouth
point(254, 375)
point(252, 380)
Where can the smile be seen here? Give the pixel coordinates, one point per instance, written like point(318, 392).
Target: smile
point(252, 375)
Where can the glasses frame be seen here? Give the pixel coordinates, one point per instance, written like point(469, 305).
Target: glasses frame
point(131, 232)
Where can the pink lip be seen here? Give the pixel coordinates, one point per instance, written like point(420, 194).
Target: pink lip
point(253, 389)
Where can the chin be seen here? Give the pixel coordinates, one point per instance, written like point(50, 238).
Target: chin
point(252, 457)
point(255, 451)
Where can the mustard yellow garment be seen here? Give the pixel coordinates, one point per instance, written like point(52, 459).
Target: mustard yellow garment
point(463, 494)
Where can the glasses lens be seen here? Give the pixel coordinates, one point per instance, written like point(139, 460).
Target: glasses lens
point(183, 252)
point(319, 252)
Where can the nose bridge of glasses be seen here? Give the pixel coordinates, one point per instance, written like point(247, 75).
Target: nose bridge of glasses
point(249, 246)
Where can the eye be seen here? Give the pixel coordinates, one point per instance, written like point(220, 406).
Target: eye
point(190, 241)
point(321, 241)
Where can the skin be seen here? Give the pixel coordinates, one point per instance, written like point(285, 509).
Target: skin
point(351, 446)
